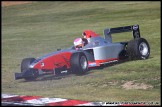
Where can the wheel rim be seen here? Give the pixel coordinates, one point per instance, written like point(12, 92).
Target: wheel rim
point(83, 62)
point(143, 48)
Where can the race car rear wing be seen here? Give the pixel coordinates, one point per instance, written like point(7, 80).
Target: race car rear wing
point(134, 28)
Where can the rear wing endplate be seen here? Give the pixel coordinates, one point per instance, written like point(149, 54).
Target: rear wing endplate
point(134, 28)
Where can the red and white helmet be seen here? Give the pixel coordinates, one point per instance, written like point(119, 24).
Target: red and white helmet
point(78, 43)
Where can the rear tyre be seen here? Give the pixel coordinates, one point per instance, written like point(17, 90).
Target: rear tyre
point(31, 74)
point(138, 49)
point(79, 63)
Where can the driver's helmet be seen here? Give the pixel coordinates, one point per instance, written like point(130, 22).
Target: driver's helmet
point(78, 43)
point(87, 34)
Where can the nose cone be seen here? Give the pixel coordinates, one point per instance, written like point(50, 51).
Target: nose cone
point(45, 63)
point(37, 65)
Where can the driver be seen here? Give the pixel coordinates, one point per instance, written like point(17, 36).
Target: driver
point(78, 43)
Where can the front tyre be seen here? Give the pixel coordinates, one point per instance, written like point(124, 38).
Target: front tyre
point(29, 73)
point(79, 63)
point(138, 48)
point(26, 63)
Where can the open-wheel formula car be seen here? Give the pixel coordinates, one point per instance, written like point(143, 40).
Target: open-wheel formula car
point(97, 52)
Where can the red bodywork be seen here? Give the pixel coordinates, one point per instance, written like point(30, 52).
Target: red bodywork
point(106, 60)
point(98, 62)
point(89, 33)
point(55, 61)
point(63, 59)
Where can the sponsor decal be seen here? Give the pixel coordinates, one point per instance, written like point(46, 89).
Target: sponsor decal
point(92, 64)
point(135, 27)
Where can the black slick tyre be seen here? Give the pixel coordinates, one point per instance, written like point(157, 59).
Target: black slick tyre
point(28, 71)
point(138, 49)
point(79, 63)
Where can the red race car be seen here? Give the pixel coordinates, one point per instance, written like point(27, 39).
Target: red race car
point(97, 52)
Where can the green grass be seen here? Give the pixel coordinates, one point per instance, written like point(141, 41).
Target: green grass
point(32, 30)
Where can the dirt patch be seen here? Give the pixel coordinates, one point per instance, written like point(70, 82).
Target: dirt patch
point(10, 3)
point(132, 85)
